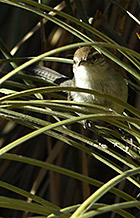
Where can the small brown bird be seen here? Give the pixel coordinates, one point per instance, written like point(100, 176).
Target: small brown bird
point(92, 71)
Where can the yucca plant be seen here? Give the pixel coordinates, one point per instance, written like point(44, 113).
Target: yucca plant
point(50, 165)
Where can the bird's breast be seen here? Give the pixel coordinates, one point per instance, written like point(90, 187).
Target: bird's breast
point(103, 79)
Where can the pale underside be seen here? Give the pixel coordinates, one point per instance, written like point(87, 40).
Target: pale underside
point(103, 79)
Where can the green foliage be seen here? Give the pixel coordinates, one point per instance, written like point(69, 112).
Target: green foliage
point(45, 151)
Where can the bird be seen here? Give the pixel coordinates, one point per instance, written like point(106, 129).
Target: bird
point(91, 71)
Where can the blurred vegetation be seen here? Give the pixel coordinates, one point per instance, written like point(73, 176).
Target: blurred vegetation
point(49, 163)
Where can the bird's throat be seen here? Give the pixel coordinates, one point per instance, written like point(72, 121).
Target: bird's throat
point(85, 77)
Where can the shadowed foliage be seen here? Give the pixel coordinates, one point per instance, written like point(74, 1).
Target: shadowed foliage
point(50, 164)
